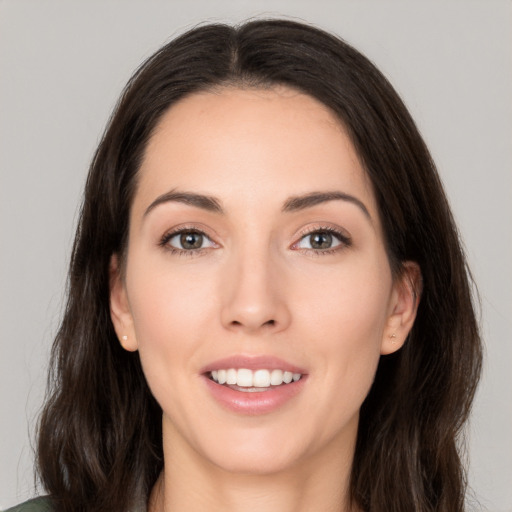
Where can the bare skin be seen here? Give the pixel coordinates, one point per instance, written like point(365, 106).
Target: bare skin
point(270, 273)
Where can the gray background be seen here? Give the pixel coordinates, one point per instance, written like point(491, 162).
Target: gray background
point(62, 66)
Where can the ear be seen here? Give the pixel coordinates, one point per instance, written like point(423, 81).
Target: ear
point(119, 307)
point(403, 307)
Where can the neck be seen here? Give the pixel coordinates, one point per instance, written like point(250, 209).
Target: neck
point(319, 483)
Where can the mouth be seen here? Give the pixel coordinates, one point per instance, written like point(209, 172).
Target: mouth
point(253, 381)
point(254, 385)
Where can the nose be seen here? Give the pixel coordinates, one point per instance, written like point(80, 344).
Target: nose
point(254, 295)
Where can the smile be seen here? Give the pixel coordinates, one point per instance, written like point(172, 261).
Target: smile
point(244, 379)
point(254, 384)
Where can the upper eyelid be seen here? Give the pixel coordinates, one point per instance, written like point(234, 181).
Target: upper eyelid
point(189, 228)
point(331, 229)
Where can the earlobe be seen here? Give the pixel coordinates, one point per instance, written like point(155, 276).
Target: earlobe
point(404, 306)
point(120, 313)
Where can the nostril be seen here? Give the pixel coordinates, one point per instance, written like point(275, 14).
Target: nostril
point(267, 323)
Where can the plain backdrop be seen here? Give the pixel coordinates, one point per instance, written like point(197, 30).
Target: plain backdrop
point(62, 67)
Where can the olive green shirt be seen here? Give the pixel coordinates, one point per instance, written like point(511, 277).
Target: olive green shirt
point(35, 505)
point(43, 504)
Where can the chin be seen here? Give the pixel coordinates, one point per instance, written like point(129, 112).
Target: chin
point(262, 463)
point(257, 452)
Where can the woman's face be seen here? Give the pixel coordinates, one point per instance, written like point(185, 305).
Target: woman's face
point(255, 255)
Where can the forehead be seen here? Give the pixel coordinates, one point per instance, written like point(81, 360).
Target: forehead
point(251, 144)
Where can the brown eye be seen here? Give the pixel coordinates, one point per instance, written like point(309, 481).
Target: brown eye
point(191, 240)
point(320, 240)
point(188, 240)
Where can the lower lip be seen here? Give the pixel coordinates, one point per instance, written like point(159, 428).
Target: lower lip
point(253, 403)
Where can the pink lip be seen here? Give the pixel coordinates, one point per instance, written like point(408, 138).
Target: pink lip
point(259, 402)
point(252, 363)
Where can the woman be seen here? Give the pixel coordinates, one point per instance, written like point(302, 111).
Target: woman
point(268, 302)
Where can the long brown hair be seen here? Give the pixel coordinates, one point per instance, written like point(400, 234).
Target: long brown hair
point(100, 444)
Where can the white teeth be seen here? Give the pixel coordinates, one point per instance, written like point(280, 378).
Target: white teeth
point(246, 378)
point(261, 379)
point(276, 377)
point(231, 377)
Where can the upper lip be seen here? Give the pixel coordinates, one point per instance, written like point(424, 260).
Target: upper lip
point(256, 362)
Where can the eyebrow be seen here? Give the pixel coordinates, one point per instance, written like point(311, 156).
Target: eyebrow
point(204, 202)
point(292, 204)
point(297, 203)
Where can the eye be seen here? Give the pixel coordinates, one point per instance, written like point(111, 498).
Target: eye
point(187, 240)
point(322, 240)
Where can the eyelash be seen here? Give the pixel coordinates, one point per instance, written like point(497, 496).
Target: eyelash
point(164, 242)
point(344, 241)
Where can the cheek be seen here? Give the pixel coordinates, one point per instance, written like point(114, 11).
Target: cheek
point(345, 320)
point(165, 302)
point(169, 311)
point(349, 303)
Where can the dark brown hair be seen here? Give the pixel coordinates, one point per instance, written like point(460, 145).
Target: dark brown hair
point(100, 442)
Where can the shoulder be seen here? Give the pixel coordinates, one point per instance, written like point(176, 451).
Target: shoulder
point(35, 505)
